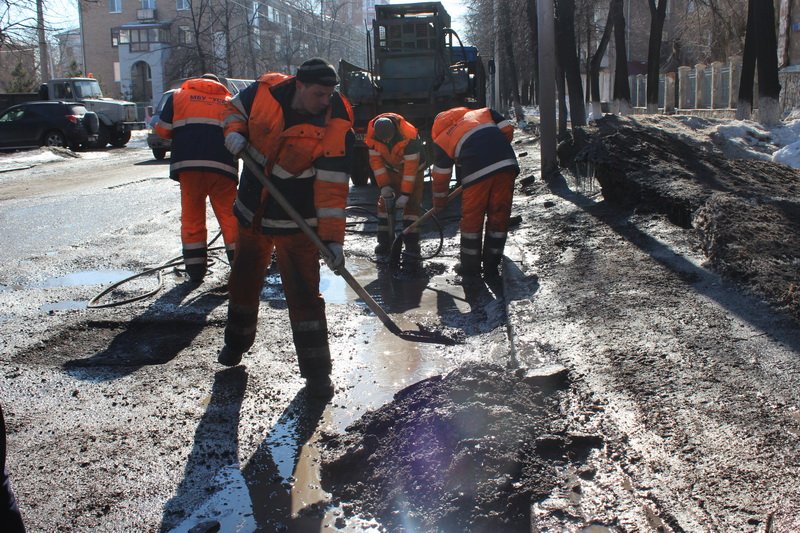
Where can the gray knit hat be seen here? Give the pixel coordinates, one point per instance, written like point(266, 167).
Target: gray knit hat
point(318, 71)
point(384, 129)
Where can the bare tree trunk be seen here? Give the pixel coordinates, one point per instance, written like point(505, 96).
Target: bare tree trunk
point(568, 57)
point(44, 54)
point(769, 87)
point(622, 91)
point(744, 105)
point(533, 23)
point(562, 103)
point(597, 58)
point(657, 15)
point(513, 77)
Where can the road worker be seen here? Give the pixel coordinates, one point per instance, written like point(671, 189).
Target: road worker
point(192, 117)
point(395, 158)
point(299, 130)
point(479, 142)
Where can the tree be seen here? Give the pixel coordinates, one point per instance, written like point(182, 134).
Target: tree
point(568, 59)
point(74, 70)
point(760, 50)
point(21, 81)
point(658, 12)
point(622, 91)
point(597, 58)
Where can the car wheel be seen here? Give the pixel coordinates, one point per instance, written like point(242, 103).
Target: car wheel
point(118, 140)
point(159, 153)
point(54, 138)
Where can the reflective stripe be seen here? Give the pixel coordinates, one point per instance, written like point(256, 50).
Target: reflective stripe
point(440, 195)
point(231, 246)
point(497, 234)
point(165, 125)
point(194, 260)
point(411, 177)
point(235, 116)
point(468, 134)
point(286, 224)
point(244, 210)
point(309, 325)
point(331, 212)
point(503, 123)
point(194, 163)
point(332, 176)
point(470, 251)
point(412, 218)
point(374, 153)
point(379, 172)
point(470, 235)
point(197, 120)
point(410, 157)
point(280, 172)
point(194, 245)
point(488, 170)
point(495, 251)
point(440, 170)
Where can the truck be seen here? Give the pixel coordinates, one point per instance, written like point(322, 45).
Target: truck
point(117, 117)
point(417, 67)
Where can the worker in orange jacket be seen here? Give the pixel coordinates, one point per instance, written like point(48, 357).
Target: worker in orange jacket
point(395, 158)
point(193, 117)
point(479, 141)
point(299, 128)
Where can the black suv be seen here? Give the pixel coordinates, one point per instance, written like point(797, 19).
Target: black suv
point(34, 124)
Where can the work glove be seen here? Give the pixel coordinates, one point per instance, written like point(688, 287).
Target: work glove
point(336, 259)
point(387, 192)
point(235, 143)
point(401, 201)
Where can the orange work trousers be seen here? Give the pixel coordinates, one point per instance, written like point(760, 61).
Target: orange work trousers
point(298, 263)
point(487, 200)
point(196, 186)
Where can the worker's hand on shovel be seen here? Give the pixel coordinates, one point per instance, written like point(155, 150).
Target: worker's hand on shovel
point(235, 142)
point(401, 201)
point(387, 192)
point(335, 259)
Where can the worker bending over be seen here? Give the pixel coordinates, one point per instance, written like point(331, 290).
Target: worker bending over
point(479, 141)
point(395, 158)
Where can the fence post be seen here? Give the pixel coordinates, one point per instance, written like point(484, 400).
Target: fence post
point(716, 85)
point(669, 93)
point(683, 87)
point(700, 76)
point(736, 74)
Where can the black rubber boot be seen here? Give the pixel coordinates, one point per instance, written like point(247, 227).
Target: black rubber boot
point(384, 239)
point(412, 261)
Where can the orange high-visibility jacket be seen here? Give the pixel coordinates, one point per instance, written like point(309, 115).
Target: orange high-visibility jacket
point(405, 153)
point(307, 158)
point(478, 140)
point(192, 117)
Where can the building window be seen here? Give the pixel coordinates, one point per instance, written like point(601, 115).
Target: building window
point(257, 38)
point(148, 4)
point(115, 6)
point(117, 76)
point(182, 5)
point(184, 35)
point(254, 14)
point(114, 37)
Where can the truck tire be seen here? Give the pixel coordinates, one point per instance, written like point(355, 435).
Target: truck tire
point(103, 136)
point(159, 153)
point(118, 140)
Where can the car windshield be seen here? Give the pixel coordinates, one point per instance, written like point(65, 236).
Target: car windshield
point(88, 89)
point(162, 102)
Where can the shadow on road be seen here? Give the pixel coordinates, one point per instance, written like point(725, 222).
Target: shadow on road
point(153, 338)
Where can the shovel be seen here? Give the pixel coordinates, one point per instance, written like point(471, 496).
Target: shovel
point(397, 243)
point(415, 336)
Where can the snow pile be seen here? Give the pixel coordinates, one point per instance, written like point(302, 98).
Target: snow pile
point(34, 157)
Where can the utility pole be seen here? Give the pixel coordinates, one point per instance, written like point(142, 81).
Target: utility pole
point(547, 84)
point(496, 98)
point(44, 56)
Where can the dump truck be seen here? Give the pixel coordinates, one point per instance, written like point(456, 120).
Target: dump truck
point(417, 67)
point(117, 117)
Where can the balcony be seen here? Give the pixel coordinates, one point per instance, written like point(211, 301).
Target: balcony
point(146, 14)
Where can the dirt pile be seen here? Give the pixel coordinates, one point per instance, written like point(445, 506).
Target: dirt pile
point(746, 211)
point(470, 451)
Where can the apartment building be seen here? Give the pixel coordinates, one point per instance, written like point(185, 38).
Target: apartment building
point(136, 48)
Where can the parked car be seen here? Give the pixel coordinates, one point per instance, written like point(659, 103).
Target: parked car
point(48, 123)
point(160, 146)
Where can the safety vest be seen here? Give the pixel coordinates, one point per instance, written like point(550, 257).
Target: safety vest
point(404, 154)
point(193, 118)
point(478, 140)
point(308, 161)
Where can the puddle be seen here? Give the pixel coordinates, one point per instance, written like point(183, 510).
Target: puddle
point(333, 288)
point(69, 305)
point(87, 277)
